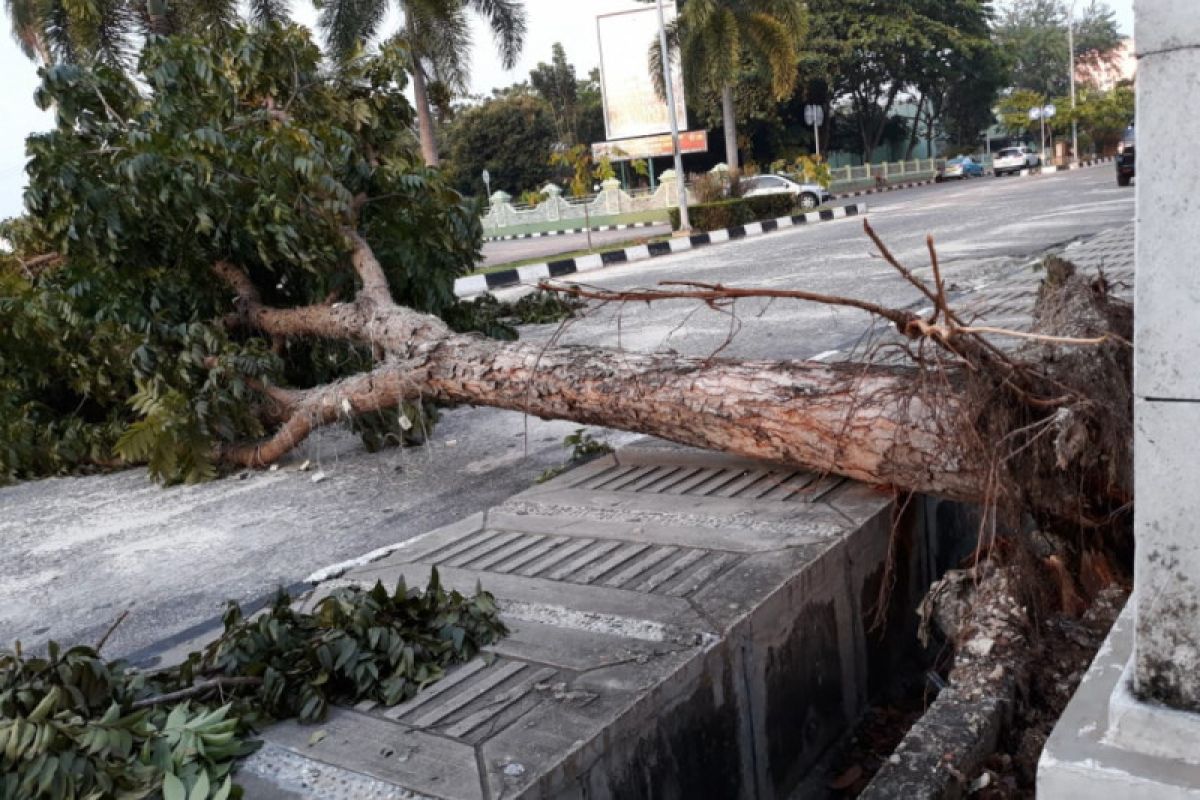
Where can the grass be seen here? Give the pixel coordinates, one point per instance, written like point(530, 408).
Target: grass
point(653, 215)
point(544, 259)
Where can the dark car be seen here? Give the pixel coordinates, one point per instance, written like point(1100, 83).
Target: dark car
point(1125, 157)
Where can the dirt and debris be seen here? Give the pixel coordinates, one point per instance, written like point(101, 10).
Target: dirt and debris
point(1062, 651)
point(1019, 631)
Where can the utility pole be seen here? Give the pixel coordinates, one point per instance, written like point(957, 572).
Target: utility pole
point(1071, 68)
point(685, 224)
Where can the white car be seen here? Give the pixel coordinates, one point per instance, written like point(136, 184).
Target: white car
point(808, 195)
point(1014, 159)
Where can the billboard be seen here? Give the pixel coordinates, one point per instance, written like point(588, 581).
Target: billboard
point(631, 106)
point(651, 146)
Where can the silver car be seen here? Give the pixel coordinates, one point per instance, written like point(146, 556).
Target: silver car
point(808, 195)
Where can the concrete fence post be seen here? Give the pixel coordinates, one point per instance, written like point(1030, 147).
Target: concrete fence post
point(670, 185)
point(553, 207)
point(610, 190)
point(501, 208)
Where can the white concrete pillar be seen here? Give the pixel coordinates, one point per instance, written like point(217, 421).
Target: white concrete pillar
point(552, 192)
point(669, 181)
point(1167, 372)
point(610, 191)
point(502, 208)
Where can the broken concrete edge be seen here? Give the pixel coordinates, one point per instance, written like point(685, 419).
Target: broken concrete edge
point(1083, 758)
point(475, 285)
point(951, 741)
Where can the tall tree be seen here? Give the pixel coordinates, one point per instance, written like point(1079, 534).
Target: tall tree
point(557, 85)
point(719, 39)
point(511, 137)
point(1033, 33)
point(111, 32)
point(959, 78)
point(437, 35)
point(873, 53)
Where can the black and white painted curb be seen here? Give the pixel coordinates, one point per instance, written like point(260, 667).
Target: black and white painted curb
point(891, 187)
point(480, 284)
point(598, 229)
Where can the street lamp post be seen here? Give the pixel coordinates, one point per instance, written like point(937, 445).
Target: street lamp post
point(1071, 69)
point(685, 224)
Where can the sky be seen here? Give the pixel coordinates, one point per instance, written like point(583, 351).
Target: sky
point(568, 21)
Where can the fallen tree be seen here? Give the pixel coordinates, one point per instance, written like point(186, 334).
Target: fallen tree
point(327, 221)
point(918, 428)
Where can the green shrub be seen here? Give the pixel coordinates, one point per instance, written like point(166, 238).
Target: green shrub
point(771, 206)
point(739, 211)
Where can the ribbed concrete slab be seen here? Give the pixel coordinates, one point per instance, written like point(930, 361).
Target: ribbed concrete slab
point(684, 624)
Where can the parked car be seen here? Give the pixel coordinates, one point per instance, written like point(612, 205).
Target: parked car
point(1014, 159)
point(808, 195)
point(1125, 157)
point(960, 168)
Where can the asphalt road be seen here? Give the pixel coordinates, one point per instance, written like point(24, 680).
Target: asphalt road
point(75, 552)
point(548, 247)
point(980, 228)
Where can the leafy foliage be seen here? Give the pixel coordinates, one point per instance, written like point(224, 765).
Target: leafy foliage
point(436, 35)
point(584, 447)
point(872, 53)
point(511, 137)
point(498, 319)
point(1033, 33)
point(118, 351)
point(74, 725)
point(110, 32)
point(806, 169)
point(718, 41)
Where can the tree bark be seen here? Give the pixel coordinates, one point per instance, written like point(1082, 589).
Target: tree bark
point(729, 120)
point(159, 21)
point(429, 147)
point(914, 132)
point(936, 431)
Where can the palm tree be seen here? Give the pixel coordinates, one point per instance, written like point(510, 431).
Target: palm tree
point(438, 38)
point(109, 31)
point(717, 39)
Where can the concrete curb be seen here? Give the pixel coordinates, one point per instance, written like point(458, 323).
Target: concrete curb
point(894, 187)
point(597, 229)
point(474, 285)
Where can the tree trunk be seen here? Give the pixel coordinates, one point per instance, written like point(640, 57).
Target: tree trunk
point(160, 22)
point(429, 147)
point(883, 425)
point(914, 132)
point(884, 116)
point(729, 120)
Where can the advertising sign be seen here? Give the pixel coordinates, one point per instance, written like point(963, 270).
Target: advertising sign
point(658, 146)
point(631, 106)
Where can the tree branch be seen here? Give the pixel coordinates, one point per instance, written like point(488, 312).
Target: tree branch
point(375, 285)
point(194, 690)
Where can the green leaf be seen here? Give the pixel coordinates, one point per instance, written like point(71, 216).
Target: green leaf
point(199, 788)
point(172, 788)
